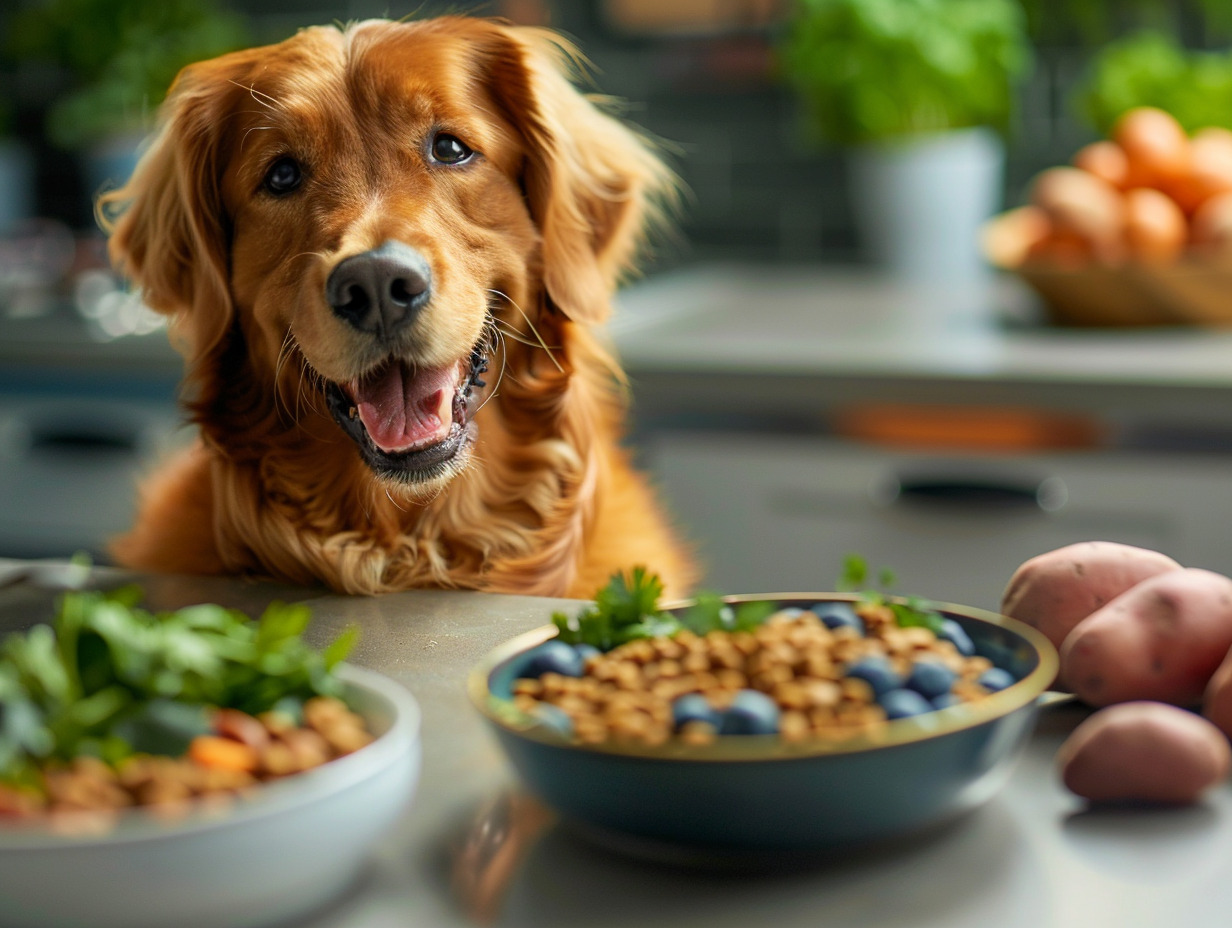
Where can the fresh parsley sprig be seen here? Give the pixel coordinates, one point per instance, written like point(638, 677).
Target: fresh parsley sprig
point(627, 608)
point(909, 611)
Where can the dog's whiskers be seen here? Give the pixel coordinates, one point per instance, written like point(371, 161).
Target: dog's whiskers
point(250, 130)
point(300, 392)
point(306, 394)
point(390, 497)
point(498, 344)
point(261, 97)
point(530, 325)
point(517, 336)
point(284, 356)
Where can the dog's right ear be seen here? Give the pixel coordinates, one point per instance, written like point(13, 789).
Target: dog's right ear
point(167, 224)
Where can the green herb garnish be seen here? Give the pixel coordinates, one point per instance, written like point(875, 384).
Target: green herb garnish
point(908, 611)
point(628, 608)
point(109, 679)
point(625, 609)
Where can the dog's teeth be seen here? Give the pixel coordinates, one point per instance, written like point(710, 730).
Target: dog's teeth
point(352, 413)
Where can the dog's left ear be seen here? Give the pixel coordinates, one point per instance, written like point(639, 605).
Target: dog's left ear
point(594, 186)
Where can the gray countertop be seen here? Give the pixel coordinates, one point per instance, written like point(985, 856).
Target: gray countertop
point(473, 850)
point(828, 320)
point(760, 342)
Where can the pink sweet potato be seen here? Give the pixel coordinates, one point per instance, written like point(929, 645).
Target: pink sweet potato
point(1146, 752)
point(1217, 700)
point(1161, 640)
point(1055, 591)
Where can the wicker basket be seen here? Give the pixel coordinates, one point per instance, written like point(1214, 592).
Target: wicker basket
point(1187, 293)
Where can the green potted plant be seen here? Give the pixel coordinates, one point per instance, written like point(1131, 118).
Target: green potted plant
point(920, 93)
point(112, 61)
point(1152, 68)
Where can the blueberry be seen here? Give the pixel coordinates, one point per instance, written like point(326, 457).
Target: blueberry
point(786, 614)
point(876, 672)
point(552, 657)
point(930, 678)
point(751, 713)
point(954, 633)
point(693, 707)
point(555, 718)
point(945, 700)
point(838, 615)
point(996, 679)
point(586, 652)
point(902, 703)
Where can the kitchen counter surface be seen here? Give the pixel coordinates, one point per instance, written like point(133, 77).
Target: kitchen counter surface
point(760, 340)
point(473, 850)
point(803, 319)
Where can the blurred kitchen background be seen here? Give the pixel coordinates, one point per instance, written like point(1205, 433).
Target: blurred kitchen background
point(802, 387)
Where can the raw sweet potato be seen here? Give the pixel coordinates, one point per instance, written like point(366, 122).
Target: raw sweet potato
point(1161, 639)
point(1055, 591)
point(1144, 751)
point(1217, 700)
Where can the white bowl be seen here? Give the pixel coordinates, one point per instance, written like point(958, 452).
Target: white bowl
point(297, 843)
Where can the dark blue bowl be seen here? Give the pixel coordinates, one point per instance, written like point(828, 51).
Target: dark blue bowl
point(759, 793)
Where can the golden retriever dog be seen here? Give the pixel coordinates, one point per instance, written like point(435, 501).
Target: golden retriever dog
point(384, 251)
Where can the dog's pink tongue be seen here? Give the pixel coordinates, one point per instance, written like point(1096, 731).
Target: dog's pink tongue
point(402, 412)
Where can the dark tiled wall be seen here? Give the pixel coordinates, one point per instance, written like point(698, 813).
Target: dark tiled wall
point(757, 189)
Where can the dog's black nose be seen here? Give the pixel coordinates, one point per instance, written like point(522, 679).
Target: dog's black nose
point(381, 290)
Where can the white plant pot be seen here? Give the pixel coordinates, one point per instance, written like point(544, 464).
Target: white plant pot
point(919, 203)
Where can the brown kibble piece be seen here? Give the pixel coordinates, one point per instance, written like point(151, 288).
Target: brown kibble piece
point(242, 727)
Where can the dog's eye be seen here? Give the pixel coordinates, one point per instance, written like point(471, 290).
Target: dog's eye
point(449, 149)
point(283, 176)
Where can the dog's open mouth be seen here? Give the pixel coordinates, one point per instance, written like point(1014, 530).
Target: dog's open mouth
point(411, 423)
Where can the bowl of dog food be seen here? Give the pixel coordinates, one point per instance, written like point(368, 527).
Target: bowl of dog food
point(763, 724)
point(193, 768)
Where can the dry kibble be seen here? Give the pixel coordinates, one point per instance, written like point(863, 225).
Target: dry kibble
point(231, 723)
point(309, 748)
point(792, 676)
point(698, 733)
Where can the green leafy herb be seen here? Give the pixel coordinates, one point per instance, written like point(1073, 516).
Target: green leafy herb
point(1153, 68)
point(108, 678)
point(627, 608)
point(908, 611)
point(854, 574)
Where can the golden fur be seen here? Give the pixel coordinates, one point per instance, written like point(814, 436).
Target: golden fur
point(526, 243)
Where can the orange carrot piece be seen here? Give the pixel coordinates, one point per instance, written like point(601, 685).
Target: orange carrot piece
point(223, 753)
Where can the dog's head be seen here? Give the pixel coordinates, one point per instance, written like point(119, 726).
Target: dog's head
point(344, 224)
